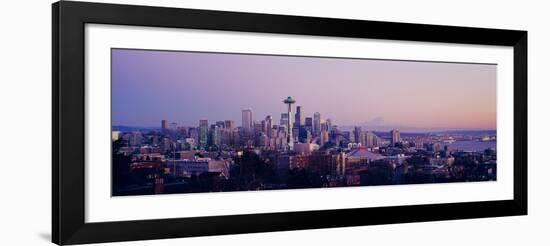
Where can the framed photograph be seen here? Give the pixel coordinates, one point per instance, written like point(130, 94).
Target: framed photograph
point(175, 122)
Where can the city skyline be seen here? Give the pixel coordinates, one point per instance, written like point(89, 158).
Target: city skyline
point(235, 122)
point(185, 87)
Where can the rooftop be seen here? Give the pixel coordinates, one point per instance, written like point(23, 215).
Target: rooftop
point(363, 152)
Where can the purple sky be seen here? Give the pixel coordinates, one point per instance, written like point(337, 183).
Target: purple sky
point(183, 87)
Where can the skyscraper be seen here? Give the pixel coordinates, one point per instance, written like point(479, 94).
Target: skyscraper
point(220, 124)
point(268, 125)
point(247, 120)
point(228, 134)
point(323, 137)
point(229, 125)
point(371, 140)
point(316, 123)
point(290, 141)
point(350, 136)
point(395, 136)
point(357, 134)
point(309, 122)
point(328, 124)
point(214, 137)
point(163, 126)
point(298, 122)
point(360, 136)
point(304, 132)
point(203, 133)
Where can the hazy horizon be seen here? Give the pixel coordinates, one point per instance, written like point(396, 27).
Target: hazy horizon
point(184, 87)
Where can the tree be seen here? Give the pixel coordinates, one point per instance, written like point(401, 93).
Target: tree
point(302, 178)
point(379, 173)
point(121, 167)
point(250, 171)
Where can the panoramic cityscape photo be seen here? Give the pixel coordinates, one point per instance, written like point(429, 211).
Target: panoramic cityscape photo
point(191, 122)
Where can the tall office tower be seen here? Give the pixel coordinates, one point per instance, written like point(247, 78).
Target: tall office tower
point(203, 123)
point(284, 120)
point(328, 125)
point(215, 135)
point(363, 138)
point(268, 125)
point(166, 144)
point(289, 139)
point(335, 135)
point(306, 132)
point(298, 121)
point(263, 129)
point(350, 136)
point(203, 133)
point(194, 134)
point(163, 125)
point(370, 139)
point(227, 132)
point(220, 124)
point(309, 122)
point(357, 134)
point(257, 127)
point(377, 141)
point(247, 120)
point(323, 137)
point(316, 123)
point(395, 137)
point(229, 125)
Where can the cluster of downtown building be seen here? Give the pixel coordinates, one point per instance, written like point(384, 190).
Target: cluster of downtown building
point(176, 158)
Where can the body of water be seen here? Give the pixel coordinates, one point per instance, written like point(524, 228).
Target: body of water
point(473, 145)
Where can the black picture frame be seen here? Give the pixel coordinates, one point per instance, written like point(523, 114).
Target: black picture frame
point(68, 122)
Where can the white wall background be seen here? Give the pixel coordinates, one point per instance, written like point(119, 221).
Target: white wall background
point(25, 103)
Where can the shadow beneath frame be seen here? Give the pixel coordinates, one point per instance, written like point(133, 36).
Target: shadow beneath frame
point(45, 236)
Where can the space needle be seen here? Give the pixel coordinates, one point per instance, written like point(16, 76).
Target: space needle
point(290, 140)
